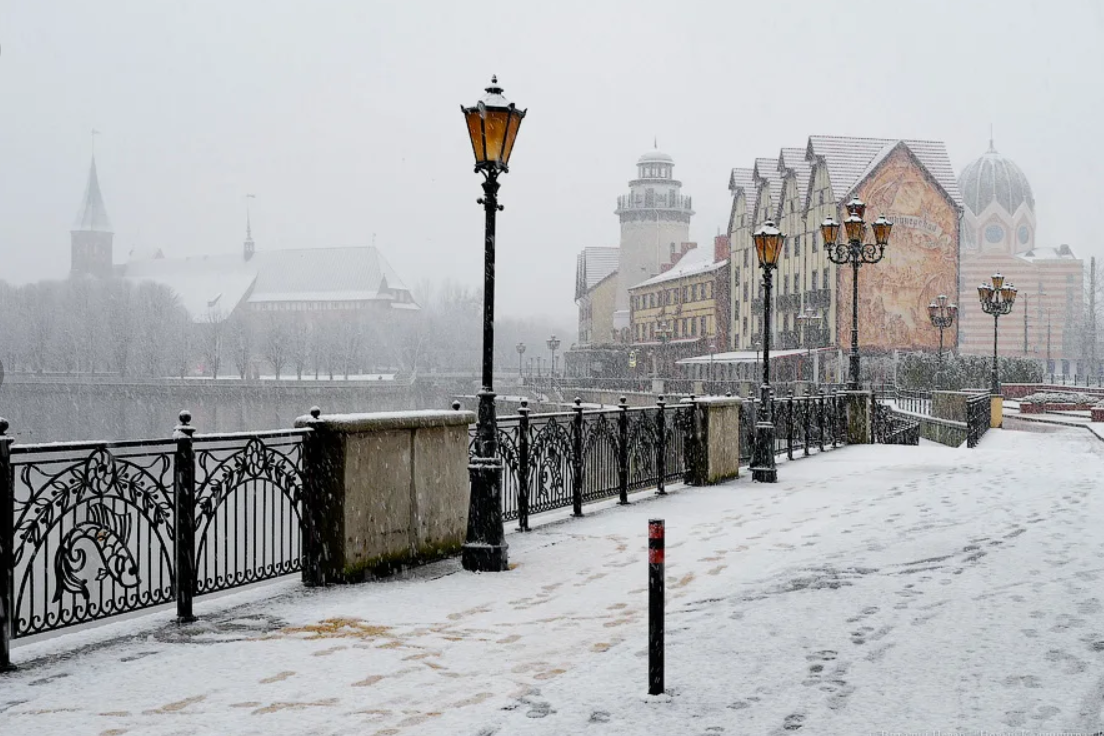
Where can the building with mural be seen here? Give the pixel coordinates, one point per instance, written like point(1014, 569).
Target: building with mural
point(998, 235)
point(909, 181)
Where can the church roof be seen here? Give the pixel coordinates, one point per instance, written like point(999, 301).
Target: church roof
point(743, 179)
point(849, 160)
point(211, 287)
point(994, 178)
point(92, 215)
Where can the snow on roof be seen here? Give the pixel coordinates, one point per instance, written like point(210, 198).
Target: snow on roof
point(743, 180)
point(593, 265)
point(211, 287)
point(696, 261)
point(1061, 253)
point(850, 159)
point(738, 356)
point(92, 215)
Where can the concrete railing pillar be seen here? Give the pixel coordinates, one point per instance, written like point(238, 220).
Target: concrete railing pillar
point(384, 490)
point(713, 452)
point(996, 411)
point(859, 406)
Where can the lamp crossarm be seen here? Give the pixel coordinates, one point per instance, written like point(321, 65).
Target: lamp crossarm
point(855, 252)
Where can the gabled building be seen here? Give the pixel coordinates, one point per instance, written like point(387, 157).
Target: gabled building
point(909, 181)
point(212, 288)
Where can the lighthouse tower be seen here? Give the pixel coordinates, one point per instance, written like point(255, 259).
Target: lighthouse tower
point(655, 222)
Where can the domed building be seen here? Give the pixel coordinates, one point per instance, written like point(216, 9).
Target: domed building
point(998, 235)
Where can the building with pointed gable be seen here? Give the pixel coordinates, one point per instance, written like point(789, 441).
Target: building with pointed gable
point(910, 181)
point(212, 288)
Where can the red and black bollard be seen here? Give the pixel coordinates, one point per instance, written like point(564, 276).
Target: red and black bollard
point(655, 606)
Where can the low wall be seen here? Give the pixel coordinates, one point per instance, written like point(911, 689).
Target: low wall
point(944, 431)
point(713, 452)
point(386, 489)
point(1020, 390)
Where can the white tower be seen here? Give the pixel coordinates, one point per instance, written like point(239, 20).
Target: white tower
point(655, 222)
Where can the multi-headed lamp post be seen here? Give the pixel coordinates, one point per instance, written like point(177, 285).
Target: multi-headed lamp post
point(492, 125)
point(768, 245)
point(553, 345)
point(520, 347)
point(855, 252)
point(942, 316)
point(996, 299)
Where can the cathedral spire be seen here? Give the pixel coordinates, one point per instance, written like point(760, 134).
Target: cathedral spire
point(992, 148)
point(248, 247)
point(92, 215)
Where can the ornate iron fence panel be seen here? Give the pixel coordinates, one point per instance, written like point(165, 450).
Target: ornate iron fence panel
point(248, 497)
point(677, 428)
point(600, 442)
point(643, 448)
point(550, 470)
point(93, 530)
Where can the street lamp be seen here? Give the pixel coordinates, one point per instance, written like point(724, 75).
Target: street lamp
point(805, 318)
point(768, 244)
point(520, 347)
point(553, 343)
point(492, 125)
point(663, 334)
point(996, 299)
point(855, 252)
point(942, 316)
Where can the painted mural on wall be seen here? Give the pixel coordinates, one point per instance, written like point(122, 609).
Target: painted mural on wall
point(920, 262)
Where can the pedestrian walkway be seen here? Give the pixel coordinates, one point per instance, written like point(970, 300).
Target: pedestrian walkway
point(875, 588)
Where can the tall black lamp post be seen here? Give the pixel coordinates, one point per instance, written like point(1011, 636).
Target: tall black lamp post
point(855, 252)
point(712, 349)
point(996, 299)
point(942, 316)
point(663, 334)
point(520, 347)
point(807, 317)
point(768, 244)
point(553, 344)
point(492, 124)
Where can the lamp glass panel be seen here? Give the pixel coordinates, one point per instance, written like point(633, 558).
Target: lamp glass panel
point(495, 121)
point(998, 281)
point(511, 135)
point(475, 131)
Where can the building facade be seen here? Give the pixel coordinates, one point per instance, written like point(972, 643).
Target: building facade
point(911, 182)
point(998, 235)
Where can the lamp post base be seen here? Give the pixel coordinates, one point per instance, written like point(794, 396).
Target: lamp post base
point(485, 548)
point(763, 469)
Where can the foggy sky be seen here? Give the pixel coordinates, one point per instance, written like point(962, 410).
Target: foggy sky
point(342, 116)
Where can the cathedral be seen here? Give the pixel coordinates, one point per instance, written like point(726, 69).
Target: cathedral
point(998, 235)
point(212, 288)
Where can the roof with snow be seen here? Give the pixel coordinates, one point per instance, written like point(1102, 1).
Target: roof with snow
point(849, 160)
point(211, 287)
point(695, 262)
point(92, 215)
point(1061, 253)
point(594, 265)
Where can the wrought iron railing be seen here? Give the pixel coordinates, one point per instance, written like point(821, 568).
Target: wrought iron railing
point(568, 459)
point(816, 421)
point(978, 408)
point(90, 530)
point(894, 428)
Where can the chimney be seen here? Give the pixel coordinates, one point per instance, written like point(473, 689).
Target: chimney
point(722, 248)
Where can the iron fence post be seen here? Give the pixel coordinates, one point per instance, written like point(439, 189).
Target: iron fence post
point(820, 420)
point(623, 450)
point(184, 507)
point(7, 550)
point(314, 469)
point(789, 428)
point(837, 420)
point(661, 447)
point(805, 423)
point(523, 466)
point(577, 460)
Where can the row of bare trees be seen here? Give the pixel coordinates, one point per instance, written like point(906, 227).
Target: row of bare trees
point(86, 325)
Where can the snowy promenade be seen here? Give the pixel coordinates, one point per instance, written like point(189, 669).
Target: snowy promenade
point(873, 589)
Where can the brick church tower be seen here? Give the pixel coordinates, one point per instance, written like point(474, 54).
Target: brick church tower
point(91, 236)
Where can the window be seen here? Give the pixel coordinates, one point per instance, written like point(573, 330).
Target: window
point(745, 292)
point(785, 285)
point(785, 247)
point(746, 257)
point(814, 280)
point(745, 325)
point(797, 245)
point(693, 327)
point(686, 293)
point(785, 323)
point(825, 278)
point(797, 283)
point(994, 233)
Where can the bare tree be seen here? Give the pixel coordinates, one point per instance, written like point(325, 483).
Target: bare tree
point(239, 342)
point(211, 334)
point(276, 344)
point(299, 344)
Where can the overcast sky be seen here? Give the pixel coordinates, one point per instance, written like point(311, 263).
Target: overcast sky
point(342, 116)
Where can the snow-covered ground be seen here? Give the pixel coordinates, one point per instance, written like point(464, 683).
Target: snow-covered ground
point(872, 589)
